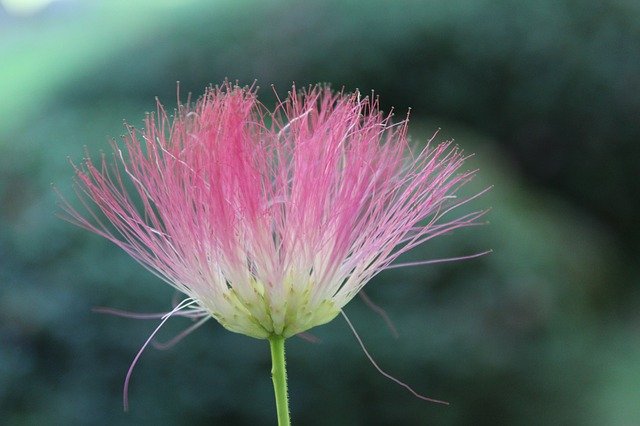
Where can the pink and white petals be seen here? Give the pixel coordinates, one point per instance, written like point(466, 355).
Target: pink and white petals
point(271, 221)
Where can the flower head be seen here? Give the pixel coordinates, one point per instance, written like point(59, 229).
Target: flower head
point(271, 221)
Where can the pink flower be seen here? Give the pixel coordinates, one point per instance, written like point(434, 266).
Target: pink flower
point(271, 222)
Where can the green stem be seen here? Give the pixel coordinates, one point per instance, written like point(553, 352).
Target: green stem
point(279, 376)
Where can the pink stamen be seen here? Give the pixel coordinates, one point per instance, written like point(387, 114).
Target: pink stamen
point(380, 311)
point(384, 373)
point(125, 397)
point(177, 339)
point(432, 261)
point(271, 221)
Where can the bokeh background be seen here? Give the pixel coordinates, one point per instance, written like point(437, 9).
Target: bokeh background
point(545, 330)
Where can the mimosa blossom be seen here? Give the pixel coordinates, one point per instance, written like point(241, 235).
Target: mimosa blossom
point(271, 221)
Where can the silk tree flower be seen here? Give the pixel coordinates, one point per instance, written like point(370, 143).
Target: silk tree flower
point(270, 221)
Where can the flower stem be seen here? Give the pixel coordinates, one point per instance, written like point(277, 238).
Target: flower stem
point(279, 376)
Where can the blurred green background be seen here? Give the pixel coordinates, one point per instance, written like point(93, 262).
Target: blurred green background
point(545, 330)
